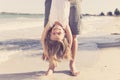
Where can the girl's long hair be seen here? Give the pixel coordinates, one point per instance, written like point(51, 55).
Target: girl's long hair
point(57, 49)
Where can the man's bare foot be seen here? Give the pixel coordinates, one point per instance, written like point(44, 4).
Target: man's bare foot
point(75, 73)
point(73, 70)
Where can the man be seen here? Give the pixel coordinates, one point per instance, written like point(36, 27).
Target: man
point(74, 22)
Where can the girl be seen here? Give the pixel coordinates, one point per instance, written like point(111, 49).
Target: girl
point(56, 37)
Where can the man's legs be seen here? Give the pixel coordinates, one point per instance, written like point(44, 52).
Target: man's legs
point(74, 51)
point(74, 22)
point(47, 11)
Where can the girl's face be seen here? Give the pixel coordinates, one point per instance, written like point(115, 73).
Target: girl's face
point(57, 33)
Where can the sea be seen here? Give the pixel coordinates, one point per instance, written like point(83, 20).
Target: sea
point(20, 33)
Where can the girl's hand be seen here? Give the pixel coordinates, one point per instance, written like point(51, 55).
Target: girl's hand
point(45, 56)
point(69, 46)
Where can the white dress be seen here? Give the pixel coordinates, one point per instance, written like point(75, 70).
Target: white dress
point(59, 12)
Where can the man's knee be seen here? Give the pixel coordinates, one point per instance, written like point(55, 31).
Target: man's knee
point(74, 37)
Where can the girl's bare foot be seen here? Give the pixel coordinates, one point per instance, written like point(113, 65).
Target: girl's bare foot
point(49, 72)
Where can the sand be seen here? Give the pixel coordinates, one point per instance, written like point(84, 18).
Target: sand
point(102, 64)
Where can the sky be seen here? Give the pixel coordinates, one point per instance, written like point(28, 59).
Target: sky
point(37, 6)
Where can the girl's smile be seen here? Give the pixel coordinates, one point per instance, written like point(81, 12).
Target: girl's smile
point(57, 33)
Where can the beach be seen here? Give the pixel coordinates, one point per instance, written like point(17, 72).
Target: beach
point(97, 57)
point(92, 64)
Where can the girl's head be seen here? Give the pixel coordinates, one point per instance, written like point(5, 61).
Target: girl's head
point(57, 32)
point(57, 50)
point(57, 44)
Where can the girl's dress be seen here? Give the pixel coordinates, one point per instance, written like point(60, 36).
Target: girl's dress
point(59, 12)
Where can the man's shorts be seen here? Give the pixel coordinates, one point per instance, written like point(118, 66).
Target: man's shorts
point(74, 20)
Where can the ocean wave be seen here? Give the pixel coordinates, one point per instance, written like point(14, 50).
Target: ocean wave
point(10, 48)
point(6, 55)
point(20, 44)
point(34, 47)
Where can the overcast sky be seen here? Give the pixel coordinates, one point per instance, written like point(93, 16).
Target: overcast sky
point(37, 6)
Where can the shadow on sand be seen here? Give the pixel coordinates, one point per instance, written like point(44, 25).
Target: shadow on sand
point(21, 76)
point(36, 75)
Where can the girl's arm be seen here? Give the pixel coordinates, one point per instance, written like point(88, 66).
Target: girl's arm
point(69, 35)
point(44, 34)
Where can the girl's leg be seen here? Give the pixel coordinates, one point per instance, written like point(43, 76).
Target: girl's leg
point(50, 69)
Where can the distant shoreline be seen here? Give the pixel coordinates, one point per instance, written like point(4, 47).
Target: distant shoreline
point(14, 13)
